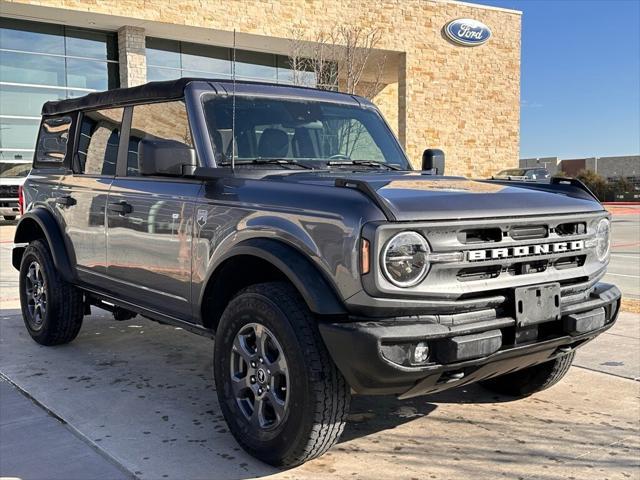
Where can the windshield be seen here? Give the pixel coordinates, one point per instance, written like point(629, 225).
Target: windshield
point(516, 172)
point(12, 168)
point(310, 133)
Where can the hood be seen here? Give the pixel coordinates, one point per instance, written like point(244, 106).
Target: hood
point(412, 196)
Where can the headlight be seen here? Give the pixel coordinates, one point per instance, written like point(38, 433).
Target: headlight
point(404, 259)
point(603, 239)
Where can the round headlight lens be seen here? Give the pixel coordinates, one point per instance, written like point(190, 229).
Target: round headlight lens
point(603, 239)
point(404, 259)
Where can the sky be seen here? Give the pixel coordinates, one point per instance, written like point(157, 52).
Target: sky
point(580, 83)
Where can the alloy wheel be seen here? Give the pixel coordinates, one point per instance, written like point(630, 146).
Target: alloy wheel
point(259, 376)
point(36, 290)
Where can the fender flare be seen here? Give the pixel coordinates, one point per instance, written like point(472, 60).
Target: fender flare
point(319, 295)
point(46, 222)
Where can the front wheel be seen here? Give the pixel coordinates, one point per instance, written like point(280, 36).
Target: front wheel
point(528, 381)
point(281, 394)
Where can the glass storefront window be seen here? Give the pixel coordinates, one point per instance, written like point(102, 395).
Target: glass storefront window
point(170, 59)
point(256, 66)
point(31, 36)
point(41, 62)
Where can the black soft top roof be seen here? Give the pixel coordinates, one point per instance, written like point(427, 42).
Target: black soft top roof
point(167, 90)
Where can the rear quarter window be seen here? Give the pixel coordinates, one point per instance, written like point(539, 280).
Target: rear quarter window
point(53, 142)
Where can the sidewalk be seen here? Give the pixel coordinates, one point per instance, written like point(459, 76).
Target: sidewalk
point(36, 445)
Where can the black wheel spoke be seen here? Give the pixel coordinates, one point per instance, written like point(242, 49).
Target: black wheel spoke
point(259, 376)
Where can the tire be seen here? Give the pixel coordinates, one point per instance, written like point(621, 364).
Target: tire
point(10, 218)
point(528, 381)
point(52, 309)
point(315, 401)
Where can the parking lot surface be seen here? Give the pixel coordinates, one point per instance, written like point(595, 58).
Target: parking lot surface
point(136, 399)
point(624, 269)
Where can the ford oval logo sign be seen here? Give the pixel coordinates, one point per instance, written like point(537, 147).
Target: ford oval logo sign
point(466, 31)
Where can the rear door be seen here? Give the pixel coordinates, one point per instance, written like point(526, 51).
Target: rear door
point(81, 196)
point(150, 219)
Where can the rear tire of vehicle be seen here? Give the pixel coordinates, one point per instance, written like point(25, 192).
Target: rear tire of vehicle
point(54, 315)
point(528, 381)
point(317, 395)
point(9, 218)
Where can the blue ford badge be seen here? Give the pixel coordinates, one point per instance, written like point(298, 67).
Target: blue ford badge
point(466, 31)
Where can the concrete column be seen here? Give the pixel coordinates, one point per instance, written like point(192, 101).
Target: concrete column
point(131, 52)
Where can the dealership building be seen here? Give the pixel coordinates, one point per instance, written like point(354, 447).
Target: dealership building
point(434, 92)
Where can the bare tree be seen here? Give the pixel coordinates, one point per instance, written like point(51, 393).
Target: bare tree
point(345, 59)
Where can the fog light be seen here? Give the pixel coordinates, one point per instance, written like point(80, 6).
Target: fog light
point(421, 353)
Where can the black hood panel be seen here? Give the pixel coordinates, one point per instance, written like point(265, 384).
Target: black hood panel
point(411, 196)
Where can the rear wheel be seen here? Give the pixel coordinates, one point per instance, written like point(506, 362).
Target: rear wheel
point(52, 309)
point(528, 381)
point(282, 396)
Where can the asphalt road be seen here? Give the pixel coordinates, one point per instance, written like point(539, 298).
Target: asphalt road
point(136, 399)
point(624, 269)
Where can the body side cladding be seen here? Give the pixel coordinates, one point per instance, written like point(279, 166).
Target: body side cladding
point(29, 228)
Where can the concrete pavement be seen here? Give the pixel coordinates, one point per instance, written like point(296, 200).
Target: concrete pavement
point(141, 395)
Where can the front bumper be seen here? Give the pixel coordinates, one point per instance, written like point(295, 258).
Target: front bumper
point(368, 351)
point(9, 207)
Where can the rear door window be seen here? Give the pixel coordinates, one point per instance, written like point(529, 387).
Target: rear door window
point(98, 142)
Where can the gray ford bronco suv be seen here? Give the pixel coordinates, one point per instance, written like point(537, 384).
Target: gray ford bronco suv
point(288, 224)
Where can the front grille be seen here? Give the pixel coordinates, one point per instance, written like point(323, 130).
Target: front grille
point(529, 232)
point(480, 235)
point(9, 191)
point(499, 254)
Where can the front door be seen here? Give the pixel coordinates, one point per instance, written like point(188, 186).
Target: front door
point(150, 219)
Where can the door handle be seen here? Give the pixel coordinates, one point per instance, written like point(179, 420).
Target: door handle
point(123, 208)
point(65, 201)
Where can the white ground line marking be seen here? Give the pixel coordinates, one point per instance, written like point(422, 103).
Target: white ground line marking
point(623, 275)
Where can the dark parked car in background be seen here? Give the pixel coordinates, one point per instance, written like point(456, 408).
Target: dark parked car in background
point(289, 224)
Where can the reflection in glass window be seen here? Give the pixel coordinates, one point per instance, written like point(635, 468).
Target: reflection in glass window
point(25, 100)
point(157, 121)
point(41, 62)
point(170, 59)
point(205, 58)
point(31, 36)
point(91, 75)
point(18, 133)
point(163, 53)
point(256, 66)
point(53, 140)
point(312, 132)
point(98, 140)
point(18, 67)
point(91, 44)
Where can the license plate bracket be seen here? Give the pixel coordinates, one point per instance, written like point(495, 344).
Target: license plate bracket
point(537, 304)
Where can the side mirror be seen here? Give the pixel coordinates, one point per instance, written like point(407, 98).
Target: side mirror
point(165, 157)
point(433, 160)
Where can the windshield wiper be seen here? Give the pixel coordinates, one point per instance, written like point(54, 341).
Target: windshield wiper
point(271, 161)
point(364, 163)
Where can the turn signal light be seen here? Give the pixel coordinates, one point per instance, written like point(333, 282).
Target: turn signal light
point(365, 256)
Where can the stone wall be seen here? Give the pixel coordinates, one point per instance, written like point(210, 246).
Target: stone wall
point(465, 100)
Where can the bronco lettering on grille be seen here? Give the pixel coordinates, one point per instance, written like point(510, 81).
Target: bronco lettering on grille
point(524, 251)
